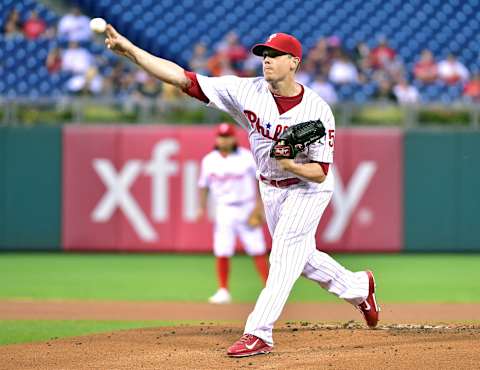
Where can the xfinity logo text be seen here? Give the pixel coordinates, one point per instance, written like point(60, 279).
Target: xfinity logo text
point(161, 167)
point(346, 198)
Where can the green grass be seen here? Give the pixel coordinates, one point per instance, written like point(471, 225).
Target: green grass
point(159, 277)
point(23, 331)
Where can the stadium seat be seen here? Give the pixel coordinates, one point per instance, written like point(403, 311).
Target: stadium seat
point(171, 28)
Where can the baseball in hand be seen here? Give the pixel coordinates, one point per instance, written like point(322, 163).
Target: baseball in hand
point(98, 25)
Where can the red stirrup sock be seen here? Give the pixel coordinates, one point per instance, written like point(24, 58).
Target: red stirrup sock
point(223, 269)
point(262, 266)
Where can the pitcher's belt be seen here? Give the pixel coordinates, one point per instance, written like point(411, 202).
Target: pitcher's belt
point(285, 183)
point(239, 202)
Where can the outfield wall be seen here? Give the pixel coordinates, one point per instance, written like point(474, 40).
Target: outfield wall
point(442, 184)
point(30, 187)
point(133, 188)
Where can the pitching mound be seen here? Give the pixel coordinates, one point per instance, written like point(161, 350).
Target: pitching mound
point(300, 345)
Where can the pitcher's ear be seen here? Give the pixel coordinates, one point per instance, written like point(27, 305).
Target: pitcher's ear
point(297, 63)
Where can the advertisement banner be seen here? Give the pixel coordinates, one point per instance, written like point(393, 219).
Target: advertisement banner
point(83, 188)
point(366, 210)
point(135, 189)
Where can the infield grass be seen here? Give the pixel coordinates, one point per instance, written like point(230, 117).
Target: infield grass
point(23, 331)
point(161, 277)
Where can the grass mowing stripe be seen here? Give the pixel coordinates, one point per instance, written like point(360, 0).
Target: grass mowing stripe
point(26, 331)
point(161, 277)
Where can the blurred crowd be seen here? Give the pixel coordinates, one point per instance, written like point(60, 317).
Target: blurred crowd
point(326, 67)
point(90, 74)
point(33, 27)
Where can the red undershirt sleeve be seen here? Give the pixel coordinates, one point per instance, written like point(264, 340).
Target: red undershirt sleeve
point(325, 166)
point(194, 90)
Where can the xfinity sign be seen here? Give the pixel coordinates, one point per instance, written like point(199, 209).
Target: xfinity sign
point(161, 167)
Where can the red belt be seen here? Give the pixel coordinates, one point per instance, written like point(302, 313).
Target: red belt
point(285, 183)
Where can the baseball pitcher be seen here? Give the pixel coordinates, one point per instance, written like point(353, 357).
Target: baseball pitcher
point(293, 168)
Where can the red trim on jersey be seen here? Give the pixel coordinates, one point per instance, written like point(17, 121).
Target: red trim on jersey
point(194, 90)
point(285, 103)
point(325, 166)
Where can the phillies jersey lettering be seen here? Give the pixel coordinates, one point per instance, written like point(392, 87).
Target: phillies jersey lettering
point(264, 130)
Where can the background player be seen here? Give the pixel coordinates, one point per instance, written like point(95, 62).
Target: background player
point(295, 192)
point(227, 175)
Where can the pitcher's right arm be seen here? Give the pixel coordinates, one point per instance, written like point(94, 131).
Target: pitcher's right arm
point(163, 69)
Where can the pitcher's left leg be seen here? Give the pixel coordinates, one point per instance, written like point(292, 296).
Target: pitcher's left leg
point(357, 288)
point(332, 276)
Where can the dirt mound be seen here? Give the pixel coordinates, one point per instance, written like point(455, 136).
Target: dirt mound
point(300, 345)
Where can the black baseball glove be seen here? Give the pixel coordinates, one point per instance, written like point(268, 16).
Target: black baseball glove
point(296, 138)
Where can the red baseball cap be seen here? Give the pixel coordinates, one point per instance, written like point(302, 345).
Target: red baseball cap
point(282, 42)
point(225, 129)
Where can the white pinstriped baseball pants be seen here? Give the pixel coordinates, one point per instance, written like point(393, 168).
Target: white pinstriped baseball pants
point(293, 215)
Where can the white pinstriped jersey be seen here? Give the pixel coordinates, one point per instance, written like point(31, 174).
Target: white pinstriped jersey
point(252, 105)
point(230, 179)
point(292, 213)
